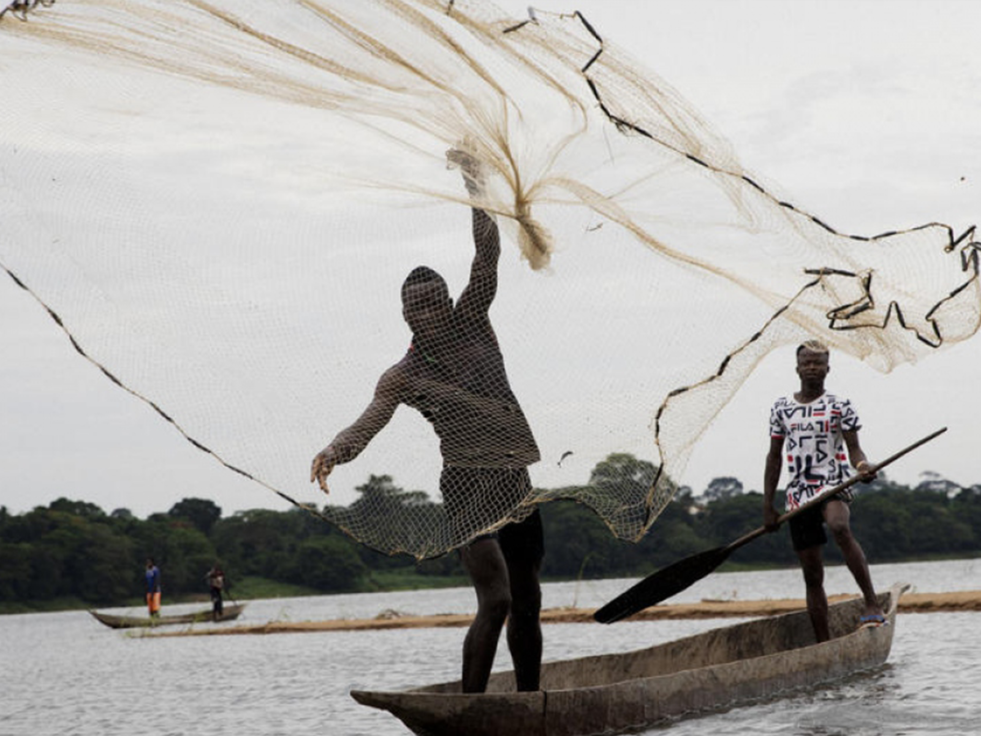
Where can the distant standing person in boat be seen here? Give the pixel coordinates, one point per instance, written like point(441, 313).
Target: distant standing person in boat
point(454, 375)
point(216, 583)
point(812, 429)
point(152, 587)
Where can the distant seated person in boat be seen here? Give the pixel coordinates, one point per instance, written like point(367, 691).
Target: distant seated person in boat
point(152, 587)
point(812, 429)
point(216, 584)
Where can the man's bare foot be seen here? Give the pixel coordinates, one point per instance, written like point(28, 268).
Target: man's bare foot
point(873, 617)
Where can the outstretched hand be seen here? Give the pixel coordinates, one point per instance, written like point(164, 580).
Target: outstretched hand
point(471, 168)
point(323, 463)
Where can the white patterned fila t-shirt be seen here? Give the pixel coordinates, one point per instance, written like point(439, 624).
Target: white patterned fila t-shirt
point(814, 445)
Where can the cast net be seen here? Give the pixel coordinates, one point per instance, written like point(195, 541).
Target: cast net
point(219, 201)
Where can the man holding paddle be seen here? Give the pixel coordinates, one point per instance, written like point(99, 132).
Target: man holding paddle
point(813, 429)
point(838, 423)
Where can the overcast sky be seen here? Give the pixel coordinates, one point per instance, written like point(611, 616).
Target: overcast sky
point(864, 113)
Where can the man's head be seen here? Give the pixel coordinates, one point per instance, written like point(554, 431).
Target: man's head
point(149, 562)
point(426, 304)
point(812, 362)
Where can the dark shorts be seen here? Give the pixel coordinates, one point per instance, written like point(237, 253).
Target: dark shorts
point(807, 528)
point(523, 540)
point(476, 498)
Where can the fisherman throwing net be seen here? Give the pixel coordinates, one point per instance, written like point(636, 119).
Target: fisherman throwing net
point(219, 200)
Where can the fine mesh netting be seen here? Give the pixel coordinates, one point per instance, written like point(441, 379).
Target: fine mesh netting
point(220, 201)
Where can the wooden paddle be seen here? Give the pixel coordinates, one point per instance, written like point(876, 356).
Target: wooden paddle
point(673, 579)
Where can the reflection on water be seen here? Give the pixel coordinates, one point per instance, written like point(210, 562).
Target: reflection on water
point(64, 673)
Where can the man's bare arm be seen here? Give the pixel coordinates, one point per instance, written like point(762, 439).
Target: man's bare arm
point(771, 477)
point(856, 455)
point(349, 443)
point(482, 288)
point(480, 291)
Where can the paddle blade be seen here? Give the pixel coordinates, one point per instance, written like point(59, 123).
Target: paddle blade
point(661, 585)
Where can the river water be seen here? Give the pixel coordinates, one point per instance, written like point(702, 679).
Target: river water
point(64, 673)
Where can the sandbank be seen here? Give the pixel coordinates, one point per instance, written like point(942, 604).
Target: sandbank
point(910, 603)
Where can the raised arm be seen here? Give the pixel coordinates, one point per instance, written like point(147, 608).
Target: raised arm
point(482, 288)
point(480, 291)
point(349, 443)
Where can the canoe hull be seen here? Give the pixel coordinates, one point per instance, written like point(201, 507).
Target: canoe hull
point(131, 622)
point(613, 693)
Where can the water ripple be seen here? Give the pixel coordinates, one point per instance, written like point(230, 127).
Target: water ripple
point(65, 674)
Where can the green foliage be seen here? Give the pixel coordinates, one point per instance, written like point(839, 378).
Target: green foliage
point(200, 512)
point(325, 563)
point(293, 547)
point(72, 550)
point(16, 573)
point(399, 519)
point(720, 489)
point(622, 471)
point(577, 542)
point(68, 549)
point(726, 520)
point(72, 553)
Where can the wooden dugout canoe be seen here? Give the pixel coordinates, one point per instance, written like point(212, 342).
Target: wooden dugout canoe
point(612, 693)
point(230, 613)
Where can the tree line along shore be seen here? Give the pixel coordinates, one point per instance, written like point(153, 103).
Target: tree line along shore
point(73, 554)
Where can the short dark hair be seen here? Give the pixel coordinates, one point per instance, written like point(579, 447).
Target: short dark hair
point(424, 275)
